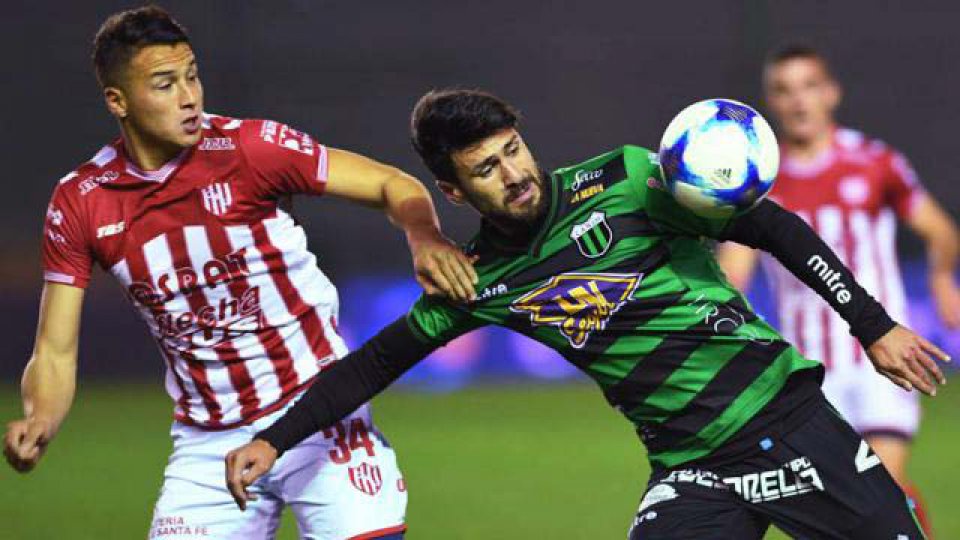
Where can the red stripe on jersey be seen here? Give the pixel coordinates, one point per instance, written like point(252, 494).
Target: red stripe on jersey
point(269, 337)
point(264, 411)
point(225, 351)
point(306, 314)
point(139, 271)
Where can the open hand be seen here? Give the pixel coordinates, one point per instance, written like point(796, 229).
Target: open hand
point(245, 465)
point(905, 358)
point(442, 268)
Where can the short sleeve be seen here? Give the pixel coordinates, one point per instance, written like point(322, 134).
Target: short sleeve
point(67, 256)
point(435, 321)
point(283, 161)
point(902, 187)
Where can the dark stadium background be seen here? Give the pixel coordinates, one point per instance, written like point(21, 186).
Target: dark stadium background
point(589, 76)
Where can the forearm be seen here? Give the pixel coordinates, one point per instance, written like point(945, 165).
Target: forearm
point(409, 207)
point(943, 251)
point(798, 248)
point(351, 382)
point(47, 387)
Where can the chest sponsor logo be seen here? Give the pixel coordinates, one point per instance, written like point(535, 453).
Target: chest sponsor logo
point(217, 198)
point(586, 193)
point(854, 190)
point(185, 280)
point(110, 230)
point(577, 304)
point(593, 236)
point(366, 478)
point(585, 177)
point(217, 144)
point(93, 182)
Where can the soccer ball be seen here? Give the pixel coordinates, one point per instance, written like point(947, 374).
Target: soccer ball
point(719, 157)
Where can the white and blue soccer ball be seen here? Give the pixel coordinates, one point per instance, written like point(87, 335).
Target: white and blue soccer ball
point(719, 157)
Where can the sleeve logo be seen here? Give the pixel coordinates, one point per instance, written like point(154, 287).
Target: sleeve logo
point(577, 304)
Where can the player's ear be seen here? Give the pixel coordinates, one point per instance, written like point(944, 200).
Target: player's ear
point(116, 101)
point(834, 94)
point(452, 192)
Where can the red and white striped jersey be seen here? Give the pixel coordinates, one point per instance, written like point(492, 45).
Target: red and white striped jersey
point(205, 251)
point(851, 195)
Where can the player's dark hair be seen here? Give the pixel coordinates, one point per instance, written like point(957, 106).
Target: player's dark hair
point(794, 51)
point(126, 32)
point(447, 120)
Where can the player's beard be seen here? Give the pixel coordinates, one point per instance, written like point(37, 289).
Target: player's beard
point(526, 222)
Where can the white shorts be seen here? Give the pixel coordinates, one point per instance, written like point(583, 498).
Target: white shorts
point(870, 402)
point(340, 484)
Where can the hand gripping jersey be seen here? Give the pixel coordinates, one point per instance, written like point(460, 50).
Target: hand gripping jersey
point(620, 282)
point(851, 195)
point(216, 267)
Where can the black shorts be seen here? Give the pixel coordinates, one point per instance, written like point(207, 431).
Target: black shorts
point(819, 481)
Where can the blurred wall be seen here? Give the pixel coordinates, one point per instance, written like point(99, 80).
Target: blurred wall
point(588, 76)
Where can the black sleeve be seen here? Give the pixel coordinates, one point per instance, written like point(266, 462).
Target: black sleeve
point(349, 383)
point(798, 248)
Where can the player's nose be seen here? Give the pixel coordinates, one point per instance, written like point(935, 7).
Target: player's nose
point(512, 174)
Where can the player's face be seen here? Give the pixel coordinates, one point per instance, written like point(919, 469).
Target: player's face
point(160, 97)
point(802, 96)
point(500, 179)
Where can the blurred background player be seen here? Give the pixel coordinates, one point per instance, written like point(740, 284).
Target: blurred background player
point(187, 211)
point(852, 190)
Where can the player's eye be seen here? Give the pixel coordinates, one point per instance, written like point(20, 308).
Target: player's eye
point(513, 149)
point(164, 86)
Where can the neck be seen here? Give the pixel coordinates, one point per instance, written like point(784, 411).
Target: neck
point(146, 154)
point(810, 148)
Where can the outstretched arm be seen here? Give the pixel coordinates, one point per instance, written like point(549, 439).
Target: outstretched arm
point(49, 379)
point(338, 391)
point(439, 265)
point(896, 352)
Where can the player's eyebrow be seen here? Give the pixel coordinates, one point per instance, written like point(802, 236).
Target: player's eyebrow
point(489, 162)
point(170, 72)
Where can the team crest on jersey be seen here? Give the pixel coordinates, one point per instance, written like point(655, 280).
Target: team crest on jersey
point(366, 478)
point(217, 198)
point(593, 236)
point(577, 304)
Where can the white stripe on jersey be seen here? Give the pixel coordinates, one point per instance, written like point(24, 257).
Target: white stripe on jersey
point(122, 273)
point(198, 250)
point(275, 313)
point(159, 260)
point(311, 284)
point(893, 295)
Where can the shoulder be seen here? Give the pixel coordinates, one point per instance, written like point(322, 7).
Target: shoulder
point(609, 168)
point(856, 145)
point(264, 135)
point(102, 168)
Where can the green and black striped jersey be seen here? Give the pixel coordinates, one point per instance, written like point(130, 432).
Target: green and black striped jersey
point(621, 281)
